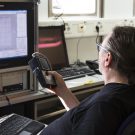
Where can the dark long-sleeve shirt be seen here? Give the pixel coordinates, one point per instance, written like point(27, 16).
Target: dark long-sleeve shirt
point(99, 114)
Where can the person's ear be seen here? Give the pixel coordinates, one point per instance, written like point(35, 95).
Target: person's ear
point(108, 59)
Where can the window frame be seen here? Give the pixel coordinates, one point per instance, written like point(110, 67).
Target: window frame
point(98, 12)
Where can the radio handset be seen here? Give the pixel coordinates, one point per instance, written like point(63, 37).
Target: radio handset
point(40, 65)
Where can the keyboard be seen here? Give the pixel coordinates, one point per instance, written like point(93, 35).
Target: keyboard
point(73, 73)
point(19, 125)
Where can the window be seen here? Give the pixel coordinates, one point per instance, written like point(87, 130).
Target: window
point(73, 7)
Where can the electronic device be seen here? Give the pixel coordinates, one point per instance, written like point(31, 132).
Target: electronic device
point(75, 72)
point(18, 24)
point(40, 65)
point(52, 44)
point(93, 65)
point(14, 124)
point(17, 36)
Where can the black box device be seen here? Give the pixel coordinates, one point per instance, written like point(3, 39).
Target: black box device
point(40, 65)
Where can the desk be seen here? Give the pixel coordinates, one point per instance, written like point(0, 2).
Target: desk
point(44, 105)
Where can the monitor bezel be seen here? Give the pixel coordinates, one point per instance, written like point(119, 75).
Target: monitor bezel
point(61, 28)
point(29, 7)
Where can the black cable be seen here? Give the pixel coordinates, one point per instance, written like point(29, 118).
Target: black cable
point(97, 37)
point(9, 104)
point(59, 16)
point(7, 98)
point(63, 23)
point(77, 58)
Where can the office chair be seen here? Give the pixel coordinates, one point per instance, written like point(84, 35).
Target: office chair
point(128, 126)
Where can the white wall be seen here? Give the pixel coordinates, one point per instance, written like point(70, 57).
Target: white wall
point(43, 10)
point(87, 46)
point(86, 49)
point(118, 8)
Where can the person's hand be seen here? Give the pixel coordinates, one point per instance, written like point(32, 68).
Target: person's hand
point(66, 96)
point(61, 87)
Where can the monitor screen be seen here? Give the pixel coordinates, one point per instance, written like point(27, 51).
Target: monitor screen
point(52, 44)
point(13, 35)
point(17, 33)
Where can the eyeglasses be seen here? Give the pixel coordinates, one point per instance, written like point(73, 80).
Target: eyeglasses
point(99, 47)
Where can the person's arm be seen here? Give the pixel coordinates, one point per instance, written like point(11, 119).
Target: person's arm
point(65, 95)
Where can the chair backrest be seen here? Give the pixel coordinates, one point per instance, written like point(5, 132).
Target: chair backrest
point(128, 126)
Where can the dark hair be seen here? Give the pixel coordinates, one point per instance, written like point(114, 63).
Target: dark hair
point(121, 44)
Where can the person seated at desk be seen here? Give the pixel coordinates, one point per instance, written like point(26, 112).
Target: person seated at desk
point(103, 112)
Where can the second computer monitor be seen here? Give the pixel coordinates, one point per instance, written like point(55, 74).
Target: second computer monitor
point(52, 44)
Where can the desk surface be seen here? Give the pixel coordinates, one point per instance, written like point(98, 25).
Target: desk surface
point(84, 82)
point(75, 84)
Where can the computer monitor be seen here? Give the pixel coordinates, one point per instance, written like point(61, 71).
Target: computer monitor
point(16, 33)
point(52, 44)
